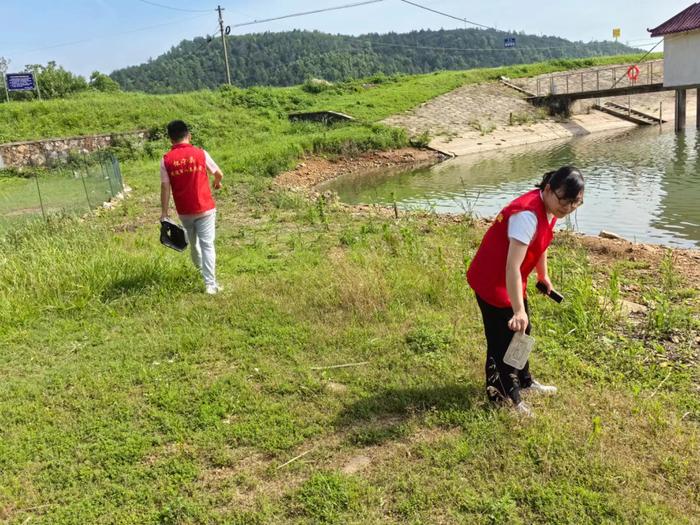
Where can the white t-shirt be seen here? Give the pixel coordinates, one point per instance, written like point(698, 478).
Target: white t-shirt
point(522, 226)
point(211, 167)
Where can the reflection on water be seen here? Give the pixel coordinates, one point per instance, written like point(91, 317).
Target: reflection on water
point(642, 184)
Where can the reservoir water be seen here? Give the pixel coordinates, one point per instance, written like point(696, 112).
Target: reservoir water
point(643, 184)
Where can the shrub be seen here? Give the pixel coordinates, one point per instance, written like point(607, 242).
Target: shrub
point(420, 141)
point(426, 339)
point(316, 85)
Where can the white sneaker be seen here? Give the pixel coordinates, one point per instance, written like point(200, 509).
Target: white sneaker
point(213, 289)
point(523, 409)
point(539, 388)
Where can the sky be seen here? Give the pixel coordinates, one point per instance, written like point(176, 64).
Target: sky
point(102, 35)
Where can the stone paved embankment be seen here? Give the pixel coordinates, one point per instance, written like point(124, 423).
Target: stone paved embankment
point(489, 116)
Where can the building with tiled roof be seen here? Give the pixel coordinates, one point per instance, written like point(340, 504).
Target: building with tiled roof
point(681, 47)
point(686, 20)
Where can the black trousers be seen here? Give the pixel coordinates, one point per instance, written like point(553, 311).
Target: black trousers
point(503, 382)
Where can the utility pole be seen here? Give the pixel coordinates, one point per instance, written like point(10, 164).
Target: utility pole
point(223, 40)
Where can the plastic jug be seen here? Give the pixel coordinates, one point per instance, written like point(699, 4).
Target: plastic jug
point(519, 350)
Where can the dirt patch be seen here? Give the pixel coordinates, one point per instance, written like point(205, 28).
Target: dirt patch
point(312, 171)
point(608, 251)
point(336, 388)
point(168, 451)
point(23, 211)
point(359, 459)
point(356, 464)
point(648, 260)
point(247, 478)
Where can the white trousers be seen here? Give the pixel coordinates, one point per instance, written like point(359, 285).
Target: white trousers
point(201, 233)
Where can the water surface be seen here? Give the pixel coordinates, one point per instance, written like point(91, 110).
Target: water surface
point(643, 184)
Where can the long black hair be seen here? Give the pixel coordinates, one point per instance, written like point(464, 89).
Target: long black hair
point(567, 177)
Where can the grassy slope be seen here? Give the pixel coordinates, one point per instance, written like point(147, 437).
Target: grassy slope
point(237, 124)
point(108, 113)
point(131, 397)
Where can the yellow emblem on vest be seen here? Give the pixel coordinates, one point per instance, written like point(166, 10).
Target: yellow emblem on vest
point(499, 217)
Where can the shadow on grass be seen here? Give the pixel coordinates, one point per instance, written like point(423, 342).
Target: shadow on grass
point(386, 415)
point(143, 279)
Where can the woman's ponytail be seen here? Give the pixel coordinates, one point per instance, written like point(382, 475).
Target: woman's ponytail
point(545, 180)
point(567, 177)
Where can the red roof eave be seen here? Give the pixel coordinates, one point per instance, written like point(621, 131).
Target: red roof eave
point(686, 20)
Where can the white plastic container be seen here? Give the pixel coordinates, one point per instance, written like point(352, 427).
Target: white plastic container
point(519, 350)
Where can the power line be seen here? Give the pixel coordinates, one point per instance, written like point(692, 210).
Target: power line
point(225, 31)
point(645, 45)
point(642, 40)
point(449, 15)
point(75, 42)
point(489, 27)
point(649, 52)
point(501, 49)
point(176, 8)
point(639, 61)
point(346, 6)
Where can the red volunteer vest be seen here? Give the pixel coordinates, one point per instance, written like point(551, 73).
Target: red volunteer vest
point(187, 169)
point(487, 271)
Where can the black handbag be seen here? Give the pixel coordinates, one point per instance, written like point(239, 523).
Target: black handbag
point(173, 235)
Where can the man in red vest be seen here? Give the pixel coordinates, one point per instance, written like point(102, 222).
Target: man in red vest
point(514, 246)
point(184, 172)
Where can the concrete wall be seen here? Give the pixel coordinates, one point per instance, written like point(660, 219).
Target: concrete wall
point(46, 152)
point(681, 59)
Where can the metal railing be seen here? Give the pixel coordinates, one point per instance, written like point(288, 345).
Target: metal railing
point(83, 183)
point(591, 80)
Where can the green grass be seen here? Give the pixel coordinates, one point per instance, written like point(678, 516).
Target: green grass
point(129, 396)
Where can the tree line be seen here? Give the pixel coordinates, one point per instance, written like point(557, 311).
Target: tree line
point(292, 57)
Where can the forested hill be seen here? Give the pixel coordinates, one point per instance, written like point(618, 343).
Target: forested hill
point(281, 59)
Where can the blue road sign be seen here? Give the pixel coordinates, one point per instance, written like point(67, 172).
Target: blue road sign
point(509, 41)
point(20, 81)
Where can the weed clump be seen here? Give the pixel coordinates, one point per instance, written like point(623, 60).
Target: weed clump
point(326, 496)
point(426, 339)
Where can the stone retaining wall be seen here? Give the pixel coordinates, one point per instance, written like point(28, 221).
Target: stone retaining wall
point(50, 151)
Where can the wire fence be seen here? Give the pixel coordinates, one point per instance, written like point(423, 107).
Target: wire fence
point(83, 183)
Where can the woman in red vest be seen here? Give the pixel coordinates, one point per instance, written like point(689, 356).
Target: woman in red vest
point(514, 245)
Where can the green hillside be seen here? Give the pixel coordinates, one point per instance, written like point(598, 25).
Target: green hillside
point(288, 58)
